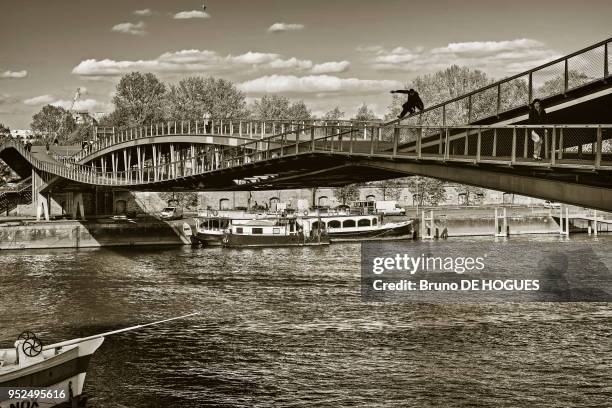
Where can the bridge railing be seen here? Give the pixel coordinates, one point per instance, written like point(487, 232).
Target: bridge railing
point(558, 77)
point(239, 128)
point(567, 146)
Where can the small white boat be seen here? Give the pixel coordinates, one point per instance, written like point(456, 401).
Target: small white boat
point(345, 227)
point(37, 375)
point(278, 232)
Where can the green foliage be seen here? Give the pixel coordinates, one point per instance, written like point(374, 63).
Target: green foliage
point(139, 99)
point(428, 191)
point(279, 107)
point(472, 195)
point(299, 111)
point(195, 97)
point(334, 114)
point(184, 200)
point(456, 81)
point(5, 131)
point(557, 85)
point(389, 189)
point(347, 193)
point(53, 122)
point(364, 113)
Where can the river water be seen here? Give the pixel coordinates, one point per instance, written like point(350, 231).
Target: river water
point(288, 327)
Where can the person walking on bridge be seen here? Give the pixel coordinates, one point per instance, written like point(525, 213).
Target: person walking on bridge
point(537, 116)
point(413, 102)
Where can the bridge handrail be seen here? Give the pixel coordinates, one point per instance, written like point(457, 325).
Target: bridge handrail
point(335, 140)
point(164, 129)
point(529, 73)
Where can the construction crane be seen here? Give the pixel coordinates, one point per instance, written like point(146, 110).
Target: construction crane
point(77, 95)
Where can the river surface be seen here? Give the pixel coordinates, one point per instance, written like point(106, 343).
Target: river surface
point(288, 327)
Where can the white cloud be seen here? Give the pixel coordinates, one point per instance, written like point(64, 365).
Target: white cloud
point(14, 74)
point(315, 84)
point(39, 100)
point(198, 61)
point(331, 67)
point(498, 58)
point(184, 15)
point(130, 28)
point(144, 12)
point(280, 27)
point(89, 104)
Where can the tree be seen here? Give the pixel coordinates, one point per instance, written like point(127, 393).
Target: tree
point(183, 200)
point(389, 189)
point(299, 111)
point(195, 97)
point(347, 193)
point(556, 85)
point(270, 107)
point(334, 114)
point(455, 81)
point(5, 131)
point(364, 114)
point(427, 191)
point(5, 172)
point(53, 122)
point(139, 100)
point(472, 195)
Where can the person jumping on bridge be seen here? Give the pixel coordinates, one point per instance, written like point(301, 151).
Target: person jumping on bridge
point(413, 102)
point(537, 116)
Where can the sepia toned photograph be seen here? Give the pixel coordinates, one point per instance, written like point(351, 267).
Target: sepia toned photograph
point(282, 203)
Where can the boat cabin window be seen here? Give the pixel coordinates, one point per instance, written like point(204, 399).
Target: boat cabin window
point(239, 230)
point(374, 221)
point(257, 230)
point(317, 225)
point(364, 222)
point(276, 231)
point(334, 224)
point(348, 223)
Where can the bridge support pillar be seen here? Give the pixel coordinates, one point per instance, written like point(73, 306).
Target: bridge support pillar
point(427, 225)
point(563, 221)
point(40, 201)
point(42, 207)
point(501, 222)
point(77, 209)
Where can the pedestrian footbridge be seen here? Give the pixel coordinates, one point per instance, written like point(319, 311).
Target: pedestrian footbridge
point(477, 139)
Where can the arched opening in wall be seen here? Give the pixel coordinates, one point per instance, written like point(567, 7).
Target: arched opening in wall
point(364, 222)
point(273, 203)
point(120, 207)
point(224, 204)
point(462, 199)
point(508, 198)
point(370, 197)
point(334, 224)
point(323, 201)
point(348, 224)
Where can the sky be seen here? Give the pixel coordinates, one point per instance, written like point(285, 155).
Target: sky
point(328, 53)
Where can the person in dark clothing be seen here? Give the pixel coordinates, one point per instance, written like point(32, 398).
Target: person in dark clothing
point(537, 116)
point(413, 102)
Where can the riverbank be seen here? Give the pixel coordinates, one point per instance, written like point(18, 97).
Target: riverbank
point(91, 234)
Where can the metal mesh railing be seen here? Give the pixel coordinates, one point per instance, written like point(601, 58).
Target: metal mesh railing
point(556, 77)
